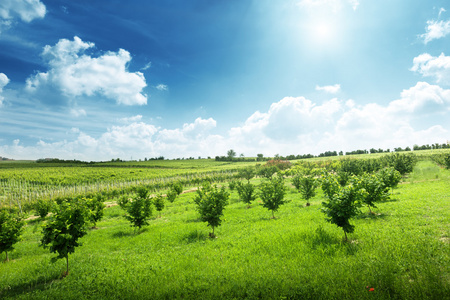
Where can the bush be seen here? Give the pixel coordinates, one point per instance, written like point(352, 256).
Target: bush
point(389, 177)
point(96, 207)
point(376, 190)
point(306, 185)
point(171, 195)
point(158, 201)
point(43, 207)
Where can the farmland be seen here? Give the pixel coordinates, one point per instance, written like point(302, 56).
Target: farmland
point(401, 251)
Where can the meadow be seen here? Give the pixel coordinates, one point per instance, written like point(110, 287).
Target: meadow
point(402, 251)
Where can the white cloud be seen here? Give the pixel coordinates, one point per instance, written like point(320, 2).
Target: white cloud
point(442, 10)
point(162, 87)
point(78, 112)
point(435, 30)
point(430, 66)
point(26, 10)
point(131, 119)
point(332, 89)
point(4, 80)
point(76, 74)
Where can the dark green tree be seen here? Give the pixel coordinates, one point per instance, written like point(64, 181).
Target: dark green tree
point(247, 173)
point(376, 190)
point(11, 227)
point(211, 202)
point(171, 195)
point(390, 177)
point(272, 193)
point(43, 207)
point(67, 224)
point(230, 154)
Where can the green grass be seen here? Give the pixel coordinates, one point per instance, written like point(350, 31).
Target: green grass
point(403, 252)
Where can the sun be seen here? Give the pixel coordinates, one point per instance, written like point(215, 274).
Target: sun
point(322, 31)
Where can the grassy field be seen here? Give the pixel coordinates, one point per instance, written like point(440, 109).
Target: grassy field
point(402, 252)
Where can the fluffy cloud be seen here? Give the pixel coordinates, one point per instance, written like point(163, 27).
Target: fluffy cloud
point(332, 89)
point(4, 80)
point(435, 30)
point(430, 66)
point(26, 10)
point(75, 73)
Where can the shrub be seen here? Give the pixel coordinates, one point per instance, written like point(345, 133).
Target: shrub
point(246, 173)
point(390, 177)
point(376, 190)
point(96, 207)
point(43, 207)
point(158, 201)
point(171, 195)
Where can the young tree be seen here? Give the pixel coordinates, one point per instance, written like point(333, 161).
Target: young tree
point(390, 177)
point(306, 185)
point(272, 193)
point(376, 190)
point(247, 173)
point(66, 226)
point(138, 209)
point(43, 207)
point(158, 201)
point(267, 171)
point(10, 229)
point(342, 206)
point(211, 202)
point(96, 207)
point(171, 195)
point(246, 192)
point(177, 187)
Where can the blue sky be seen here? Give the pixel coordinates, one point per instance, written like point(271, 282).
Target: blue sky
point(96, 80)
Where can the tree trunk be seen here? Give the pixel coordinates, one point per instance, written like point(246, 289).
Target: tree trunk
point(273, 216)
point(67, 263)
point(7, 258)
point(345, 233)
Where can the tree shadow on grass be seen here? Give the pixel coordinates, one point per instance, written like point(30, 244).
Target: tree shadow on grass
point(193, 237)
point(127, 233)
point(40, 284)
point(193, 220)
point(329, 243)
point(372, 216)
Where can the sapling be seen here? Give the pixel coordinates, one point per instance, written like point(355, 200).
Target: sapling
point(67, 224)
point(43, 207)
point(247, 192)
point(272, 193)
point(171, 195)
point(306, 185)
point(138, 209)
point(158, 201)
point(376, 190)
point(96, 207)
point(247, 173)
point(11, 227)
point(211, 202)
point(390, 177)
point(342, 206)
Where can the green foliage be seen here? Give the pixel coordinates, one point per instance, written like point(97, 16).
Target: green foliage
point(138, 209)
point(43, 207)
point(177, 187)
point(306, 185)
point(343, 177)
point(329, 184)
point(247, 192)
point(96, 207)
point(66, 226)
point(11, 227)
point(404, 163)
point(247, 173)
point(272, 193)
point(390, 177)
point(232, 185)
point(267, 171)
point(211, 202)
point(158, 201)
point(171, 195)
point(342, 206)
point(376, 190)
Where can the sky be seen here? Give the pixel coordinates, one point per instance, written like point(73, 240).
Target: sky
point(105, 79)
